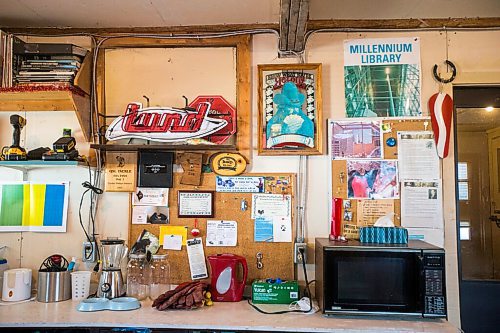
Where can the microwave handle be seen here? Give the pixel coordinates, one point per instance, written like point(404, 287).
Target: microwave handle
point(421, 282)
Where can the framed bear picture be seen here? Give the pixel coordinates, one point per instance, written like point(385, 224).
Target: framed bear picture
point(290, 113)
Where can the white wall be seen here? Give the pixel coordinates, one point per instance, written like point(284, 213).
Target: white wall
point(474, 53)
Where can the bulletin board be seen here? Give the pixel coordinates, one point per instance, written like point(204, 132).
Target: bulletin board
point(277, 258)
point(339, 167)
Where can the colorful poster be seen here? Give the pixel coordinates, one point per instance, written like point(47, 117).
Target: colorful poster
point(355, 139)
point(33, 207)
point(289, 109)
point(372, 179)
point(382, 77)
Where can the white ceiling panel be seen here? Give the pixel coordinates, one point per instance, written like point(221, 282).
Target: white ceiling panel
point(135, 13)
point(160, 13)
point(402, 9)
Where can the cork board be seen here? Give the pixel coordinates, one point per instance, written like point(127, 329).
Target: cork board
point(339, 167)
point(277, 257)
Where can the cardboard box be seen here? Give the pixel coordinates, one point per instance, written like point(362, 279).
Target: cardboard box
point(274, 293)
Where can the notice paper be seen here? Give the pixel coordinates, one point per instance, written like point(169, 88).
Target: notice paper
point(271, 205)
point(149, 196)
point(277, 229)
point(196, 257)
point(150, 214)
point(369, 211)
point(173, 230)
point(239, 184)
point(417, 156)
point(263, 229)
point(282, 229)
point(421, 205)
point(222, 233)
point(172, 242)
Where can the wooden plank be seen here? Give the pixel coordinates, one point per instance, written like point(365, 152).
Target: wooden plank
point(300, 32)
point(99, 86)
point(83, 78)
point(82, 111)
point(292, 24)
point(284, 24)
point(159, 146)
point(449, 23)
point(243, 96)
point(188, 29)
point(172, 42)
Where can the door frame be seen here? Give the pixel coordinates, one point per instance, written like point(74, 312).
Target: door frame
point(473, 96)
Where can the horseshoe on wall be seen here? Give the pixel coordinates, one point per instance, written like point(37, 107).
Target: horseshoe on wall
point(453, 73)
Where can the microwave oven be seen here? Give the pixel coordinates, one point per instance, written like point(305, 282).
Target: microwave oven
point(401, 279)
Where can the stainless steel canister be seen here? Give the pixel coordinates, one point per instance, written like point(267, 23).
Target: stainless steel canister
point(54, 286)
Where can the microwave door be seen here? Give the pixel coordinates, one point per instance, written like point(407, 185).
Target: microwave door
point(372, 281)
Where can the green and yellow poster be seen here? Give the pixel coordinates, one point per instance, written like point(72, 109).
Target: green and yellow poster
point(33, 207)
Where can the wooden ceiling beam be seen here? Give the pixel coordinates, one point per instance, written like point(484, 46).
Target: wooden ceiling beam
point(293, 24)
point(450, 23)
point(423, 23)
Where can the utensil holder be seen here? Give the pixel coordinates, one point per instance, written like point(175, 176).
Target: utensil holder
point(80, 283)
point(54, 286)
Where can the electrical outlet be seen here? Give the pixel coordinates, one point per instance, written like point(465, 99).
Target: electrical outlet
point(89, 252)
point(297, 256)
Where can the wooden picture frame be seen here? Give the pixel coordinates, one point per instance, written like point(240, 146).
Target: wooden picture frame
point(195, 203)
point(290, 109)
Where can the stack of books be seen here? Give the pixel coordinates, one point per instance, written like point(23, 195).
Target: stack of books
point(56, 68)
point(40, 63)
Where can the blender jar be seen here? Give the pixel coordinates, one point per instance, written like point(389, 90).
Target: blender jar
point(113, 251)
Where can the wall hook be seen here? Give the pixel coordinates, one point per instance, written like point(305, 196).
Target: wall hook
point(453, 73)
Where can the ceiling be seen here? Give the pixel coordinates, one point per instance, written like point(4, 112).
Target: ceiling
point(170, 13)
point(477, 119)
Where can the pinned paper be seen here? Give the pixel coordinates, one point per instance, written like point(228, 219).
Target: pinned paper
point(271, 205)
point(222, 233)
point(273, 229)
point(172, 242)
point(282, 229)
point(173, 230)
point(149, 196)
point(196, 257)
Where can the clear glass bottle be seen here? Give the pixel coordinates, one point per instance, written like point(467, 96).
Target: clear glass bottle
point(138, 276)
point(160, 276)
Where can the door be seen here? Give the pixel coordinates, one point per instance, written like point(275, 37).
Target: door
point(477, 139)
point(494, 167)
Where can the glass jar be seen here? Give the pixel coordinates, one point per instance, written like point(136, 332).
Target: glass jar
point(138, 276)
point(160, 276)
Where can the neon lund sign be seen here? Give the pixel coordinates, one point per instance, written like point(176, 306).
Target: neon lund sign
point(164, 124)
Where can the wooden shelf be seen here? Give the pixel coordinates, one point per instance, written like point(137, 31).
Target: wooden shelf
point(134, 147)
point(72, 99)
point(64, 100)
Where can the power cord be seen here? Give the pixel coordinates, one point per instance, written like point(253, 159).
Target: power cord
point(94, 190)
point(307, 292)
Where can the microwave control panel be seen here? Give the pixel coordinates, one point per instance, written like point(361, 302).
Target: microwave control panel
point(434, 285)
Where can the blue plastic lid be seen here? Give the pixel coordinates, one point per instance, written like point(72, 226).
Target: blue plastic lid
point(3, 261)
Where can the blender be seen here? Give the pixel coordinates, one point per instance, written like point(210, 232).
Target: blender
point(113, 251)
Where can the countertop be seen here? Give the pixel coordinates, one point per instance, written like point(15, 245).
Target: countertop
point(221, 316)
